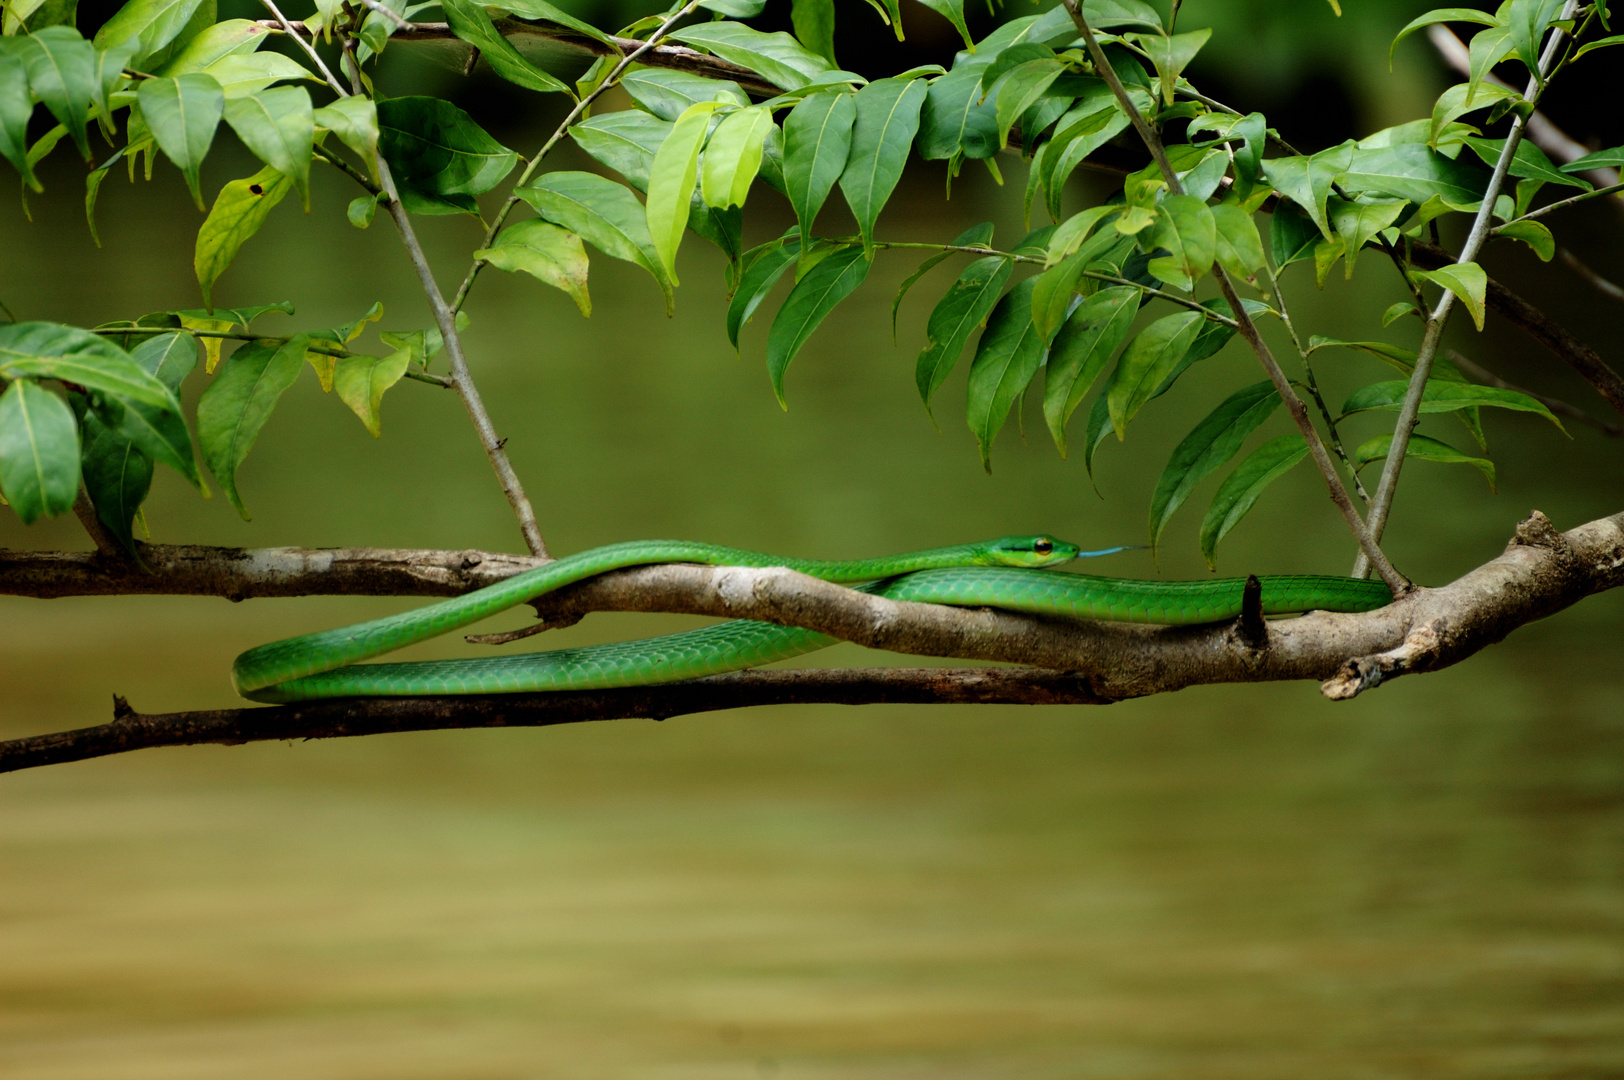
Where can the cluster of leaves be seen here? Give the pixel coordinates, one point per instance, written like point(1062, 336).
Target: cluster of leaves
point(1064, 301)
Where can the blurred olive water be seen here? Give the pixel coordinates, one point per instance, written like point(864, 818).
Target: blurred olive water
point(1225, 882)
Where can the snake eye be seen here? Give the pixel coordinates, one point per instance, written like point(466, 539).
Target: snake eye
point(1043, 546)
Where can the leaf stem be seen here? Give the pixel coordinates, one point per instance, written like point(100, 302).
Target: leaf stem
point(1248, 329)
point(1409, 414)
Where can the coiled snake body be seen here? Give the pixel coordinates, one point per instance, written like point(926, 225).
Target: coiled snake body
point(1009, 573)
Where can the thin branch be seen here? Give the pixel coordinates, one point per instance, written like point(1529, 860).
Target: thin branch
point(286, 27)
point(1541, 572)
point(1597, 282)
point(1561, 204)
point(1409, 413)
point(1248, 330)
point(107, 545)
point(388, 13)
point(1556, 405)
point(131, 730)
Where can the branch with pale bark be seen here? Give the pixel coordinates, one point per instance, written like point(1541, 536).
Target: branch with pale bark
point(1541, 572)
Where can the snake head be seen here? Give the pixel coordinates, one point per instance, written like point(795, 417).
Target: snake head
point(1031, 551)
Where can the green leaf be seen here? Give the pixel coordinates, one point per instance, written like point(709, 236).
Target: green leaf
point(159, 433)
point(953, 12)
point(354, 120)
point(278, 125)
point(625, 141)
point(1186, 229)
point(1464, 98)
point(1081, 349)
point(814, 24)
point(360, 210)
point(233, 37)
point(817, 141)
point(1358, 223)
point(46, 350)
point(760, 275)
point(887, 119)
point(1533, 234)
point(1238, 247)
point(808, 303)
point(733, 156)
point(436, 149)
point(152, 24)
point(542, 11)
point(242, 76)
point(1599, 43)
point(1007, 356)
point(954, 119)
point(602, 213)
point(1438, 15)
point(778, 58)
point(39, 452)
point(182, 114)
point(671, 182)
point(1441, 396)
point(545, 252)
point(1307, 181)
point(1215, 440)
point(1104, 14)
point(1528, 162)
point(110, 64)
point(1292, 235)
point(61, 69)
point(470, 23)
point(1020, 88)
point(1612, 157)
point(1146, 362)
point(16, 108)
point(667, 93)
point(1527, 21)
point(239, 210)
point(169, 358)
point(1427, 450)
point(117, 477)
point(361, 381)
point(237, 403)
point(1171, 55)
point(1466, 280)
point(1242, 487)
point(955, 317)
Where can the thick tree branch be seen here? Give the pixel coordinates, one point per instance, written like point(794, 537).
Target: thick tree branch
point(1541, 572)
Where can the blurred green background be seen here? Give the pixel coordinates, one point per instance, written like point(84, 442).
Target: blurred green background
point(1225, 882)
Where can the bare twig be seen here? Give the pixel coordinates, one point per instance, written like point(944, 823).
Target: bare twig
point(131, 730)
point(1248, 330)
point(1556, 405)
point(1541, 572)
point(1409, 413)
point(1597, 282)
point(107, 544)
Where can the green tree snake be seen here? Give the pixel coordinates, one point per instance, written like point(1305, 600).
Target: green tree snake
point(1009, 573)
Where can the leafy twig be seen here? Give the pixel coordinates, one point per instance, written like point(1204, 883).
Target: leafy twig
point(310, 50)
point(1248, 329)
point(558, 133)
point(1556, 405)
point(1409, 413)
point(1560, 204)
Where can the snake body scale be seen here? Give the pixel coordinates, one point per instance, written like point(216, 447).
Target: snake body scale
point(1009, 573)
